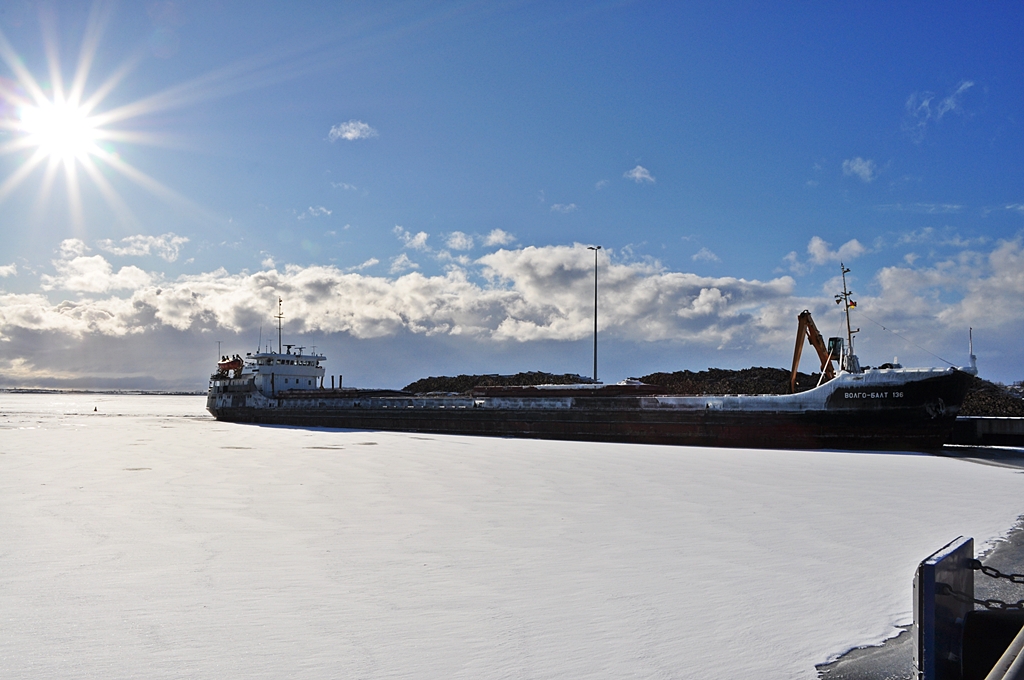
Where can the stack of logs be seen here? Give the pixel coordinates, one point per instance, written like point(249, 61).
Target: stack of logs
point(984, 398)
point(462, 384)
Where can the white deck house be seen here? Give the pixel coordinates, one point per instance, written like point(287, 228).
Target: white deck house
point(274, 372)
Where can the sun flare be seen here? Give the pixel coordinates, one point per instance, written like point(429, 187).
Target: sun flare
point(60, 130)
point(56, 124)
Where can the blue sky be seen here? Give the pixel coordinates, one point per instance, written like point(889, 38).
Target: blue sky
point(420, 181)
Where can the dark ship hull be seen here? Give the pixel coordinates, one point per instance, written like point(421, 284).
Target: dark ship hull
point(892, 409)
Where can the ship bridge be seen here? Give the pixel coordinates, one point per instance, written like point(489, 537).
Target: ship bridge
point(274, 372)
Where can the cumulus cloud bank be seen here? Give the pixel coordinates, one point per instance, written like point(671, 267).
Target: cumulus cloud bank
point(509, 295)
point(531, 294)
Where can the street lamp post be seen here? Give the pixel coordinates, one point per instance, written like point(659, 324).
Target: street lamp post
point(595, 249)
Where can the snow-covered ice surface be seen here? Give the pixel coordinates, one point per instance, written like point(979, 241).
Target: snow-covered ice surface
point(148, 540)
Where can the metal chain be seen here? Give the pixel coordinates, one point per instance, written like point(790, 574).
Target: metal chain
point(992, 603)
point(995, 573)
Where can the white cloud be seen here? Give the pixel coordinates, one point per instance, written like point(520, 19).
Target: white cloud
point(952, 102)
point(344, 185)
point(923, 235)
point(564, 208)
point(601, 184)
point(639, 174)
point(365, 265)
point(792, 258)
point(165, 246)
point(821, 252)
point(72, 247)
point(499, 237)
point(314, 211)
point(402, 263)
point(920, 111)
point(859, 167)
point(923, 208)
point(459, 241)
point(416, 241)
point(93, 275)
point(8, 270)
point(945, 237)
point(705, 255)
point(986, 289)
point(352, 130)
point(551, 288)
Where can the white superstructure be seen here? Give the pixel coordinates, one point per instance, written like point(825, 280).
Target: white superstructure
point(274, 372)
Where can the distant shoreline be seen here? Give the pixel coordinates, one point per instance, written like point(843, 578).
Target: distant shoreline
point(54, 390)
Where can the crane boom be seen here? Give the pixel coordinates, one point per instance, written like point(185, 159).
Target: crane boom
point(806, 328)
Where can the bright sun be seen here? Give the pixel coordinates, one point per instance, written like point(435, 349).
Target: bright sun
point(60, 130)
point(56, 126)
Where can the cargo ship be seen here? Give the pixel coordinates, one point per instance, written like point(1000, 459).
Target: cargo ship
point(853, 408)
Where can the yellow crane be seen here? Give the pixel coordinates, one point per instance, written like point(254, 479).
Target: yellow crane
point(806, 328)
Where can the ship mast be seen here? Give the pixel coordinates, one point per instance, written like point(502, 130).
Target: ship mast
point(852, 365)
point(280, 316)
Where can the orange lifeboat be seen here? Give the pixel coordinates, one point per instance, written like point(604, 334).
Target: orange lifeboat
point(230, 365)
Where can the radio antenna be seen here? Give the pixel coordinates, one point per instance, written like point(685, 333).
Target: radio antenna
point(280, 315)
